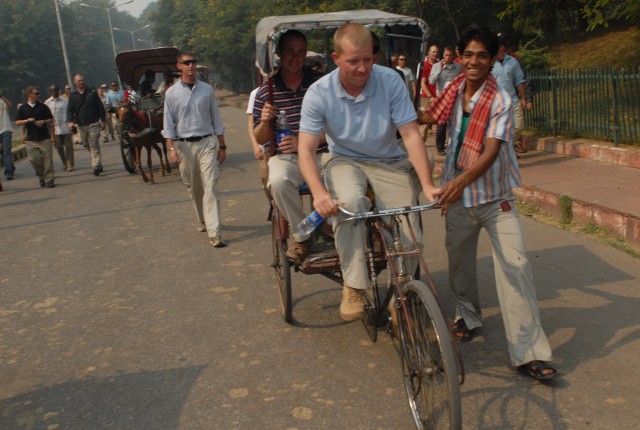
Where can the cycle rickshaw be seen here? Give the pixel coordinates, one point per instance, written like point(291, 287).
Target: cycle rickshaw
point(409, 309)
point(132, 65)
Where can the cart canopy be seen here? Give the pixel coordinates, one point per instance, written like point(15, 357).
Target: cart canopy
point(405, 29)
point(132, 64)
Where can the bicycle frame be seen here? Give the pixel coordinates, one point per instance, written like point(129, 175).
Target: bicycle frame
point(395, 254)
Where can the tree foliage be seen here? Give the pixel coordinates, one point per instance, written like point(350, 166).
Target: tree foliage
point(221, 32)
point(550, 17)
point(32, 50)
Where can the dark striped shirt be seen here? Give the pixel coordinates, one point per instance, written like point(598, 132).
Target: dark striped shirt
point(284, 98)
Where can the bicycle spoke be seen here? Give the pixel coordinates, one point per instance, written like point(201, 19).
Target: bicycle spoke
point(428, 363)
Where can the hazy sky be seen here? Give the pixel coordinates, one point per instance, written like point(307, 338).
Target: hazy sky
point(134, 8)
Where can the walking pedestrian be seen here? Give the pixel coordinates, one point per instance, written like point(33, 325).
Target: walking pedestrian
point(480, 171)
point(39, 140)
point(6, 132)
point(63, 141)
point(191, 117)
point(86, 110)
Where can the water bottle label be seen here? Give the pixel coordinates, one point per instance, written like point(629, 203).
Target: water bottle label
point(280, 134)
point(315, 219)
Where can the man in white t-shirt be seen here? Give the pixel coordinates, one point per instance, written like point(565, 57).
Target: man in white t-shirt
point(258, 150)
point(409, 77)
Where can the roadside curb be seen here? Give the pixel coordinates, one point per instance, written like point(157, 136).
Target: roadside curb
point(563, 208)
point(622, 225)
point(584, 148)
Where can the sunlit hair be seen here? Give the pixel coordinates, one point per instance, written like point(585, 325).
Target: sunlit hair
point(29, 89)
point(357, 34)
point(185, 54)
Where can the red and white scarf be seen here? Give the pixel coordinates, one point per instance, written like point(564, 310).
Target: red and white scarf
point(473, 143)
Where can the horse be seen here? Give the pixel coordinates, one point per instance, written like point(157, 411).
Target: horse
point(144, 131)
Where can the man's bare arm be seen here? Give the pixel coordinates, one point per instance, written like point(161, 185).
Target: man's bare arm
point(323, 202)
point(419, 158)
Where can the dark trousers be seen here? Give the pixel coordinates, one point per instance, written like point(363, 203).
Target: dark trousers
point(441, 136)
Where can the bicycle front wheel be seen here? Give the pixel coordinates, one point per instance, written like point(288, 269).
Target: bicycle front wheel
point(428, 361)
point(282, 268)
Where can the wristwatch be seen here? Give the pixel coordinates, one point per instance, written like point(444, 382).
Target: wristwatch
point(223, 147)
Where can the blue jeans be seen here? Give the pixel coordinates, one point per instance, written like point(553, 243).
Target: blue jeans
point(7, 158)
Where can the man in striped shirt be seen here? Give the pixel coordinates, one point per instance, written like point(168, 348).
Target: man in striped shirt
point(479, 173)
point(290, 85)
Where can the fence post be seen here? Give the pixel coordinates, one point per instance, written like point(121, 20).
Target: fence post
point(616, 119)
point(554, 92)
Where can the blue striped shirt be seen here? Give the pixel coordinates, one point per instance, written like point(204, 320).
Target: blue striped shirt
point(191, 112)
point(497, 182)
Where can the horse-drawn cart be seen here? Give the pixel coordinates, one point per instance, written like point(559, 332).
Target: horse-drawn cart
point(132, 66)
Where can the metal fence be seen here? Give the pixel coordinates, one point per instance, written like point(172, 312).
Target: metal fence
point(595, 103)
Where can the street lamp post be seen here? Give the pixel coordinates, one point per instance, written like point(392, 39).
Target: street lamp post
point(131, 32)
point(64, 45)
point(108, 9)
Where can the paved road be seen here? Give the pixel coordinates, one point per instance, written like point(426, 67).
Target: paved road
point(116, 314)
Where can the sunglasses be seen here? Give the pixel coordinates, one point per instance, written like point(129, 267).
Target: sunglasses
point(402, 59)
point(188, 62)
point(36, 94)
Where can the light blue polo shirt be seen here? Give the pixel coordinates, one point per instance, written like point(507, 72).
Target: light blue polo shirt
point(362, 127)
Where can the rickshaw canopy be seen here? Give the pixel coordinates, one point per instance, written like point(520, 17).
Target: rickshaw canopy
point(269, 30)
point(132, 64)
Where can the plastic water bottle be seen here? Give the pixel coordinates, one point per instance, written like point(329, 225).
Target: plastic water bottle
point(309, 223)
point(282, 130)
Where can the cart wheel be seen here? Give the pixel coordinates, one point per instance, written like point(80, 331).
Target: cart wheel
point(128, 155)
point(281, 266)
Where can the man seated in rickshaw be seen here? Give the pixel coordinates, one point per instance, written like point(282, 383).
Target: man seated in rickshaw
point(360, 106)
point(146, 86)
point(290, 85)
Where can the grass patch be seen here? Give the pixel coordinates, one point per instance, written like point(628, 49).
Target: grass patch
point(612, 47)
point(565, 204)
point(599, 234)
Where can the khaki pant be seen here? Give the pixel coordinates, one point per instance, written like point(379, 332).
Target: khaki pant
point(284, 180)
point(519, 125)
point(64, 146)
point(514, 280)
point(347, 180)
point(425, 103)
point(200, 170)
point(40, 155)
point(90, 135)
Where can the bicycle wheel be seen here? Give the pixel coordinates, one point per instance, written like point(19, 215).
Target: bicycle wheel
point(282, 268)
point(428, 361)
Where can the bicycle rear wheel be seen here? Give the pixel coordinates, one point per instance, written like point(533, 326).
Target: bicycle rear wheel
point(428, 361)
point(282, 268)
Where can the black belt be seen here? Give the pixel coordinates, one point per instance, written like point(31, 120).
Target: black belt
point(193, 138)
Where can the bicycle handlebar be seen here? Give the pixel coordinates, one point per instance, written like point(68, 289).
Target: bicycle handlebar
point(387, 212)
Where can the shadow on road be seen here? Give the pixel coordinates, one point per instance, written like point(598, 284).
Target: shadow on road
point(145, 400)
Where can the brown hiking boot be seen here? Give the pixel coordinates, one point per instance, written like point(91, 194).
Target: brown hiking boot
point(352, 305)
point(299, 250)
